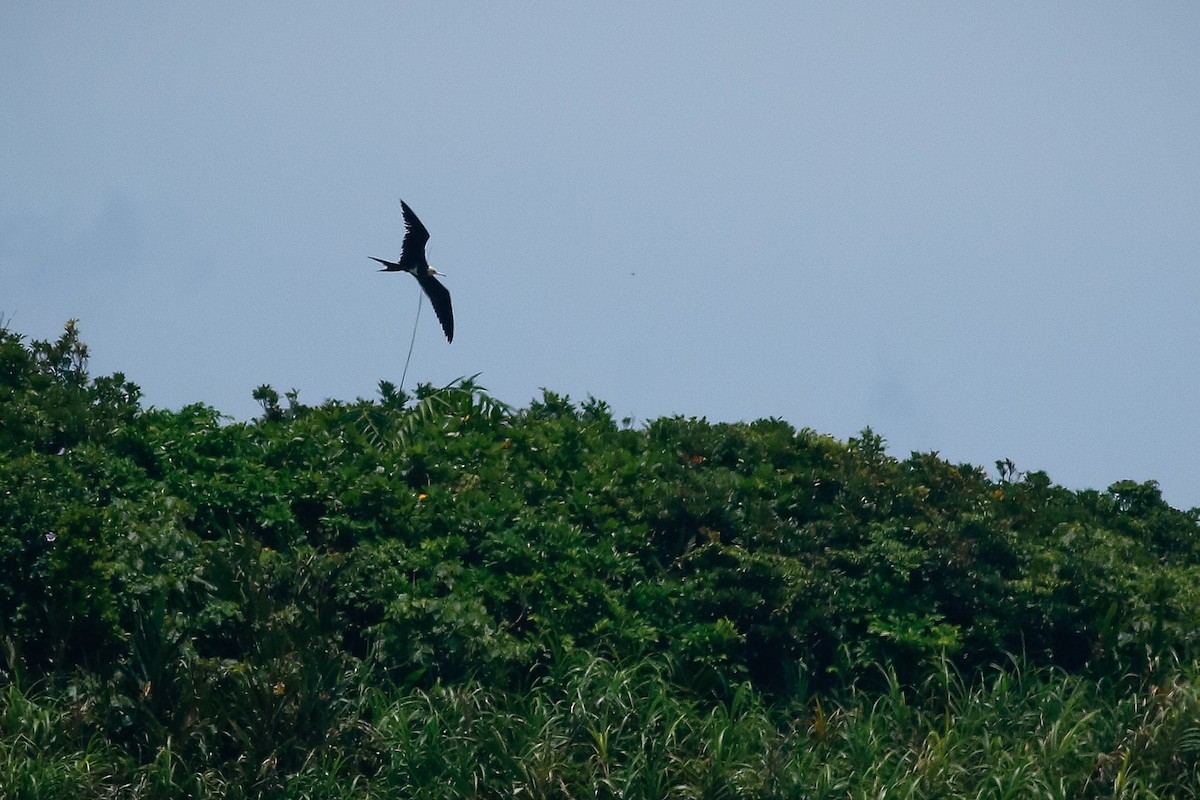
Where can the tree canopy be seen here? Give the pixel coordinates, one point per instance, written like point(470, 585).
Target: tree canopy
point(445, 537)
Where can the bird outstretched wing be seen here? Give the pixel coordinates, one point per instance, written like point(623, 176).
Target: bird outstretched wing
point(439, 298)
point(412, 251)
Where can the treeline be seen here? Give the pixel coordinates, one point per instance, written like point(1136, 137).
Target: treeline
point(229, 588)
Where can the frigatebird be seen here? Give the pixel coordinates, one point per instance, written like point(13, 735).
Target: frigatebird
point(412, 260)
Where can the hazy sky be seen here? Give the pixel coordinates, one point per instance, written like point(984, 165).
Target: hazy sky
point(972, 227)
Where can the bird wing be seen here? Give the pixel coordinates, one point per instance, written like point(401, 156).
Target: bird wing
point(439, 298)
point(412, 251)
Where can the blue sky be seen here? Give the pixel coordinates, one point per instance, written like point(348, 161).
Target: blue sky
point(974, 228)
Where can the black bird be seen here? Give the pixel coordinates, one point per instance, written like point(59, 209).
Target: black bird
point(412, 261)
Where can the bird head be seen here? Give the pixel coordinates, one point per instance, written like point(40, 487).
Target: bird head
point(433, 271)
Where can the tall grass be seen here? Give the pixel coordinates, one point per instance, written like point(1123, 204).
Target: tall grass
point(594, 728)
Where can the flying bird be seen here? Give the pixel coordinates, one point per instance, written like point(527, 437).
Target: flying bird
point(412, 260)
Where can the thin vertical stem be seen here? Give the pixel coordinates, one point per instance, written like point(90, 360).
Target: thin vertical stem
point(413, 340)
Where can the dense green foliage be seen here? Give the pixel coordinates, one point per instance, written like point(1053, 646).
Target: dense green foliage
point(442, 596)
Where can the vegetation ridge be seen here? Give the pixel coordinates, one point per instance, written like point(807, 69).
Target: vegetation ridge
point(440, 595)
